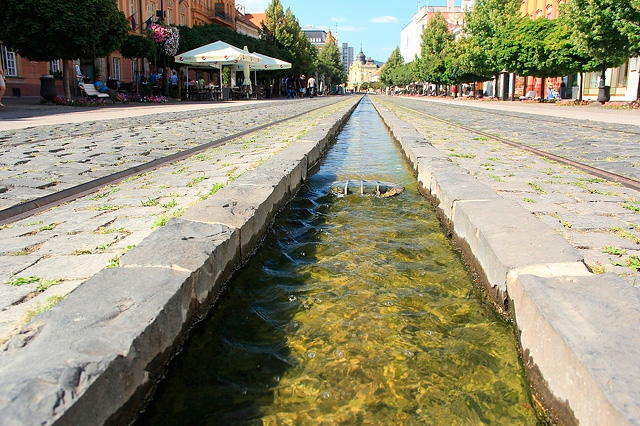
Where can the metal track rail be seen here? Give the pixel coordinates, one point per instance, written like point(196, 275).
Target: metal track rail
point(604, 174)
point(28, 208)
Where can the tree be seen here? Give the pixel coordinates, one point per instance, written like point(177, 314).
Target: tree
point(137, 46)
point(283, 29)
point(404, 74)
point(436, 39)
point(485, 26)
point(394, 61)
point(606, 30)
point(46, 30)
point(329, 63)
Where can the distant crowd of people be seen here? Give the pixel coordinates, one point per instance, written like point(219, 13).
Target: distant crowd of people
point(301, 86)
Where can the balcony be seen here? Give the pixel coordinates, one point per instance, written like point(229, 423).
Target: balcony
point(220, 17)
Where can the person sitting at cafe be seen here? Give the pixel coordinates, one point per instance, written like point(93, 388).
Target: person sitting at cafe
point(102, 88)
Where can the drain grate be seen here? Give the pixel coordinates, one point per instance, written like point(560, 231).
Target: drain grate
point(366, 187)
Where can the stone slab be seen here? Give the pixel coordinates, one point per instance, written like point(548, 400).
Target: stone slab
point(582, 335)
point(93, 335)
point(503, 236)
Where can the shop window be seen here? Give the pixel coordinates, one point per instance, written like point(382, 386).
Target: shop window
point(9, 62)
point(619, 76)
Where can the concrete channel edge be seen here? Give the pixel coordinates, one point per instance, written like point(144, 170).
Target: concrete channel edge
point(577, 331)
point(96, 356)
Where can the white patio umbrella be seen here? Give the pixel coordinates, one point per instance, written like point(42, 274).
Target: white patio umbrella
point(216, 55)
point(267, 63)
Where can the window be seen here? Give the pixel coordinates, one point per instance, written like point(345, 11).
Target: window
point(54, 66)
point(134, 70)
point(116, 68)
point(132, 7)
point(152, 8)
point(183, 19)
point(170, 16)
point(619, 76)
point(9, 63)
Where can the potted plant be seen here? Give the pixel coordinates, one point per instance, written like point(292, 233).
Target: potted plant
point(226, 83)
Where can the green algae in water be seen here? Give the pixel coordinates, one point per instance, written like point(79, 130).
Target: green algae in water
point(355, 311)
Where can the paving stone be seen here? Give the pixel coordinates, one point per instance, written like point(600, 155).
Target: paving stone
point(13, 265)
point(597, 240)
point(70, 267)
point(68, 244)
point(589, 222)
point(14, 245)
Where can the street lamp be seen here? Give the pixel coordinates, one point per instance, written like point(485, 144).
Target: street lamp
point(604, 92)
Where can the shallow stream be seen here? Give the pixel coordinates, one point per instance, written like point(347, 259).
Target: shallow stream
point(356, 310)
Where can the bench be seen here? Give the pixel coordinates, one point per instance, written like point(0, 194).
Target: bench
point(91, 92)
point(531, 94)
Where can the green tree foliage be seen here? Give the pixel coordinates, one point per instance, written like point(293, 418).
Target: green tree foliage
point(436, 40)
point(394, 61)
point(329, 63)
point(404, 74)
point(137, 46)
point(464, 63)
point(606, 30)
point(45, 30)
point(485, 27)
point(282, 29)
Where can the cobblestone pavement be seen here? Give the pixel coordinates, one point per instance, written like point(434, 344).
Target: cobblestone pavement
point(38, 161)
point(608, 146)
point(44, 257)
point(599, 218)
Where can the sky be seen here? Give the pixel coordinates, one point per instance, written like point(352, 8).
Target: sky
point(374, 24)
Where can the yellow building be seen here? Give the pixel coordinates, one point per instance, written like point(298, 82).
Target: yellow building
point(361, 71)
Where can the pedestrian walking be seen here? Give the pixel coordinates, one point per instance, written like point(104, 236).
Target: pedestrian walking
point(311, 85)
point(290, 88)
point(302, 85)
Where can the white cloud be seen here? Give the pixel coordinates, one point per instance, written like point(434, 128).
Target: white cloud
point(338, 19)
point(385, 20)
point(349, 28)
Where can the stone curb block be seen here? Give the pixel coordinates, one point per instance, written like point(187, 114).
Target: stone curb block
point(503, 236)
point(584, 341)
point(572, 322)
point(93, 357)
point(93, 348)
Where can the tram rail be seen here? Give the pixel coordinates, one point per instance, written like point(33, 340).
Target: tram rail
point(595, 171)
point(30, 207)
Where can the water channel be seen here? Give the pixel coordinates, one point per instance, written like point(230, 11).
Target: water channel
point(356, 310)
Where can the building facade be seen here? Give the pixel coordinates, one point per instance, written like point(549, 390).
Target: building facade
point(317, 37)
point(23, 76)
point(346, 54)
point(623, 80)
point(411, 34)
point(361, 71)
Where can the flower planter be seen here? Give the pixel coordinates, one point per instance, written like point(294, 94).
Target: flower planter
point(226, 93)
